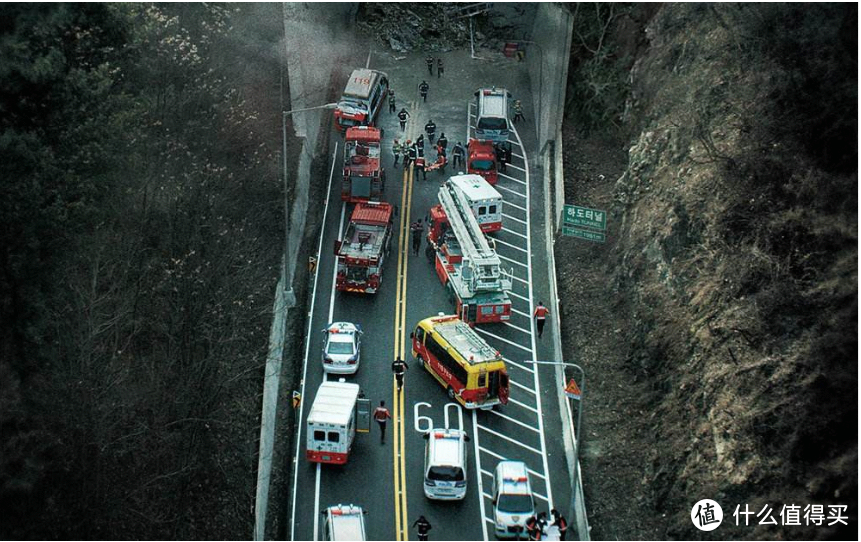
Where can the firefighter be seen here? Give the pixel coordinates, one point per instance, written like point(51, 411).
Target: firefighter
point(399, 367)
point(429, 61)
point(420, 166)
point(412, 153)
point(532, 530)
point(439, 68)
point(443, 141)
point(423, 90)
point(392, 107)
point(381, 414)
point(540, 314)
point(497, 149)
point(518, 111)
point(560, 522)
point(396, 151)
point(430, 128)
point(422, 527)
point(457, 154)
point(403, 115)
point(420, 145)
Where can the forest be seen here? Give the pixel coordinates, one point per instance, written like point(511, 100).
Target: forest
point(141, 203)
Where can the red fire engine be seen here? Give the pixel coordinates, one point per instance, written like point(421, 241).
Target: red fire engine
point(362, 251)
point(481, 160)
point(464, 261)
point(364, 176)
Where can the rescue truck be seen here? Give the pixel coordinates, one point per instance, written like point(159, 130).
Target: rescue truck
point(364, 177)
point(363, 250)
point(481, 160)
point(362, 100)
point(463, 259)
point(332, 423)
point(472, 372)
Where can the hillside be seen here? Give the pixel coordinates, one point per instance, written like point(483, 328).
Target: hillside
point(717, 325)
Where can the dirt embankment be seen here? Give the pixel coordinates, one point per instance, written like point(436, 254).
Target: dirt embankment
point(717, 325)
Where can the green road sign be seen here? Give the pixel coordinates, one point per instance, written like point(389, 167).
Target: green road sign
point(596, 236)
point(583, 216)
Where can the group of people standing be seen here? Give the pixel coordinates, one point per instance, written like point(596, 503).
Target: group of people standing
point(536, 526)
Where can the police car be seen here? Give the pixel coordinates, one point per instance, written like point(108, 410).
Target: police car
point(445, 464)
point(342, 348)
point(512, 499)
point(343, 522)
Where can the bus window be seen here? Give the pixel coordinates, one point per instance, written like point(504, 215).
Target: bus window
point(487, 310)
point(420, 335)
point(482, 380)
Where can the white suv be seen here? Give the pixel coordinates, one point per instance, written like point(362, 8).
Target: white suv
point(512, 499)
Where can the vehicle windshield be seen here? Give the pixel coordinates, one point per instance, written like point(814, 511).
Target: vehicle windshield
point(515, 503)
point(354, 103)
point(490, 123)
point(340, 348)
point(483, 165)
point(446, 474)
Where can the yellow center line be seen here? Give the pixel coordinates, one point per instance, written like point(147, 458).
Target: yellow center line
point(398, 453)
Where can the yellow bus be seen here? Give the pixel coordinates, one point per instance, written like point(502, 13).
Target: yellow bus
point(470, 370)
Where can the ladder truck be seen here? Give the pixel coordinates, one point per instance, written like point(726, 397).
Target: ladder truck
point(465, 262)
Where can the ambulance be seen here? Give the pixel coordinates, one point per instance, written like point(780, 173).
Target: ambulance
point(332, 423)
point(484, 200)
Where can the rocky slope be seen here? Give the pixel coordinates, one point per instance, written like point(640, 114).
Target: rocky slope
point(718, 323)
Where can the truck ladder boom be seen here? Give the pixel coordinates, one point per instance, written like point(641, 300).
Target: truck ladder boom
point(465, 227)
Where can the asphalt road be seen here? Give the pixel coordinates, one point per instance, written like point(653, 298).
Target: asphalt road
point(386, 479)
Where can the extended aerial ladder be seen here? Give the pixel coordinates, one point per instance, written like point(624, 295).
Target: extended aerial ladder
point(465, 260)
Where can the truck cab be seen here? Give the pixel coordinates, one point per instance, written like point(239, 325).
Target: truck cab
point(481, 160)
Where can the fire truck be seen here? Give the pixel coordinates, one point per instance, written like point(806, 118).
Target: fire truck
point(464, 260)
point(481, 160)
point(362, 251)
point(364, 176)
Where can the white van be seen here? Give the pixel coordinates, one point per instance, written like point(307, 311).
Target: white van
point(512, 499)
point(332, 423)
point(445, 464)
point(491, 122)
point(484, 200)
point(344, 522)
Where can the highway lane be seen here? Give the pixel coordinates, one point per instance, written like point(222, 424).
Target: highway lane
point(387, 480)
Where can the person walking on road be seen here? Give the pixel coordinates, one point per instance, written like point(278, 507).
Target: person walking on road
point(420, 145)
point(560, 522)
point(399, 367)
point(518, 111)
point(396, 151)
point(381, 415)
point(430, 128)
point(439, 68)
point(422, 527)
point(457, 154)
point(403, 115)
point(417, 230)
point(429, 62)
point(412, 153)
point(392, 107)
point(423, 90)
point(443, 141)
point(540, 314)
point(421, 162)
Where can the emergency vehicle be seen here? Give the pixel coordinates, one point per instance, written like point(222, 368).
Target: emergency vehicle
point(484, 201)
point(332, 423)
point(445, 464)
point(364, 177)
point(344, 522)
point(464, 261)
point(481, 160)
point(363, 250)
point(362, 100)
point(491, 120)
point(342, 349)
point(512, 499)
point(472, 372)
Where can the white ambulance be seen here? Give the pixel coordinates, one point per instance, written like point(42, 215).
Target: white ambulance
point(484, 200)
point(332, 423)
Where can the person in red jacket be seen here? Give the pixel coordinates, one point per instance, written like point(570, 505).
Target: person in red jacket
point(381, 415)
point(540, 314)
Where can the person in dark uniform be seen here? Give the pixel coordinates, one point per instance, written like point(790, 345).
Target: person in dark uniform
point(430, 128)
point(439, 68)
point(560, 522)
point(429, 62)
point(420, 144)
point(403, 115)
point(422, 527)
point(412, 154)
point(399, 367)
point(423, 90)
point(443, 141)
point(392, 107)
point(457, 154)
